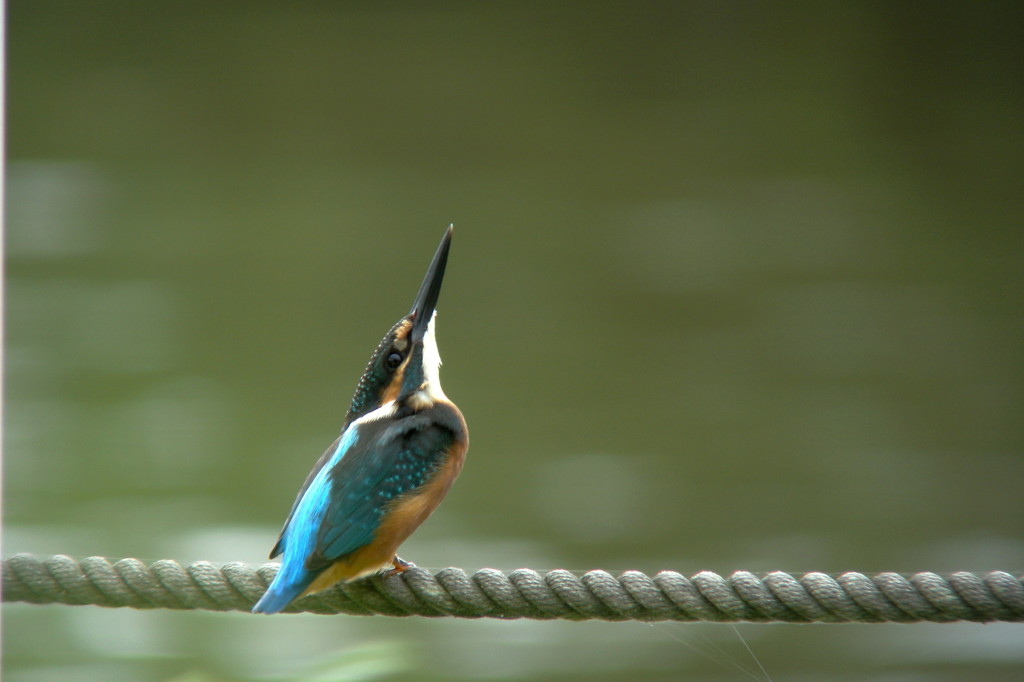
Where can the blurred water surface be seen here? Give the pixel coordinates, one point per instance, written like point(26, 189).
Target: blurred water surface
point(732, 287)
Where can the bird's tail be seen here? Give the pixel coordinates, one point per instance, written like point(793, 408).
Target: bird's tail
point(283, 590)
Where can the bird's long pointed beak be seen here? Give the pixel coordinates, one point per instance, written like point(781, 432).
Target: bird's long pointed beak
point(426, 300)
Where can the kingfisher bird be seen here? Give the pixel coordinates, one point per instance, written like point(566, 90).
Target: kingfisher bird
point(401, 447)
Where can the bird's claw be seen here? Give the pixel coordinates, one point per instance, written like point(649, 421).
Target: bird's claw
point(398, 565)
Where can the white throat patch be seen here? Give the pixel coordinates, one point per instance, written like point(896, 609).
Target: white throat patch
point(431, 391)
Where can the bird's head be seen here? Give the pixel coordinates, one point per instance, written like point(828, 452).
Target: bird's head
point(404, 368)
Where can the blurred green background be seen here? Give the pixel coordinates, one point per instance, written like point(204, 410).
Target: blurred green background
point(733, 286)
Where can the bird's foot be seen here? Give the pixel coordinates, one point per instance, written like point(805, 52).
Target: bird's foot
point(398, 565)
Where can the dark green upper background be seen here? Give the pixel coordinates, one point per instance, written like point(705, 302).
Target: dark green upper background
point(732, 286)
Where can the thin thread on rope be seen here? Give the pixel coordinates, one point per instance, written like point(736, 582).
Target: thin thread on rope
point(524, 593)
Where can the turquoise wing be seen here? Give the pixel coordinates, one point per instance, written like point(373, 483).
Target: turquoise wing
point(387, 461)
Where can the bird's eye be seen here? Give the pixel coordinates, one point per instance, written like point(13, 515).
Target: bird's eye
point(394, 360)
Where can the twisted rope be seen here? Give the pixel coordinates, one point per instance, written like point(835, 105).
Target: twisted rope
point(488, 593)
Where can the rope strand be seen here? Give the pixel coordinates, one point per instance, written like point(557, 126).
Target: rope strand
point(559, 594)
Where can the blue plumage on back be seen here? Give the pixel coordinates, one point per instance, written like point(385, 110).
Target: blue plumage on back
point(298, 538)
